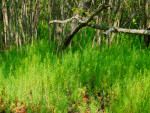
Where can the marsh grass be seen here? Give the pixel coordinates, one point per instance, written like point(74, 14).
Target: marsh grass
point(114, 79)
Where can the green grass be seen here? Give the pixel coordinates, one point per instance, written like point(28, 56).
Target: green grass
point(114, 80)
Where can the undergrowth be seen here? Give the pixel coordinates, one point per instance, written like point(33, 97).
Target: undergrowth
point(114, 79)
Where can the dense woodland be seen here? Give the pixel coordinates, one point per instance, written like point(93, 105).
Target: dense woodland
point(74, 56)
point(23, 22)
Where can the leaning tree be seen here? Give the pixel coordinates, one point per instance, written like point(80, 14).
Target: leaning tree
point(84, 16)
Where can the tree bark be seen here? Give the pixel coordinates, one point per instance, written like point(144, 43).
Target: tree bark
point(25, 19)
point(76, 26)
point(117, 19)
point(5, 21)
point(146, 22)
point(49, 18)
point(30, 22)
point(119, 30)
point(10, 20)
point(16, 23)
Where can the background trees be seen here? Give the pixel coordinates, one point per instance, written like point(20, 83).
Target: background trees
point(27, 21)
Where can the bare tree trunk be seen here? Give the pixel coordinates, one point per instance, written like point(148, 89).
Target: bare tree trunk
point(30, 22)
point(62, 15)
point(25, 19)
point(57, 27)
point(83, 5)
point(20, 20)
point(33, 19)
point(10, 20)
point(146, 22)
point(20, 24)
point(1, 26)
point(5, 21)
point(117, 19)
point(49, 18)
point(16, 23)
point(54, 17)
point(99, 37)
point(36, 18)
point(97, 33)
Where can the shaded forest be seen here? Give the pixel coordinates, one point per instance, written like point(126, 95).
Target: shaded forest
point(24, 22)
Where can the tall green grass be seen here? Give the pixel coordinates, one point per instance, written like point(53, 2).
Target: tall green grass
point(115, 79)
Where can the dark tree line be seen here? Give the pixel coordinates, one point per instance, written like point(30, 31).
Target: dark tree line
point(20, 20)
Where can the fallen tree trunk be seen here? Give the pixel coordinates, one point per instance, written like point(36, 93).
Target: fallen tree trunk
point(119, 30)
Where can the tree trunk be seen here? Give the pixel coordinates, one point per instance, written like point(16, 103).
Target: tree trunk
point(49, 18)
point(30, 22)
point(117, 19)
point(83, 5)
point(5, 21)
point(16, 23)
point(10, 21)
point(25, 19)
point(146, 22)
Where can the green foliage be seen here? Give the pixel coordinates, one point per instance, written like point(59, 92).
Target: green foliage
point(37, 76)
point(80, 12)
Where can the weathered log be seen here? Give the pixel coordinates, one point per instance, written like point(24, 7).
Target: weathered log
point(110, 29)
point(121, 30)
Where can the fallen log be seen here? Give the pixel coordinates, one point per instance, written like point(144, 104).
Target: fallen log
point(119, 30)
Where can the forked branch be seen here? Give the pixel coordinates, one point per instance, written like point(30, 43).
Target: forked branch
point(81, 24)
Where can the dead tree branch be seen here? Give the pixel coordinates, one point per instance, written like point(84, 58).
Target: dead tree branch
point(64, 21)
point(121, 30)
